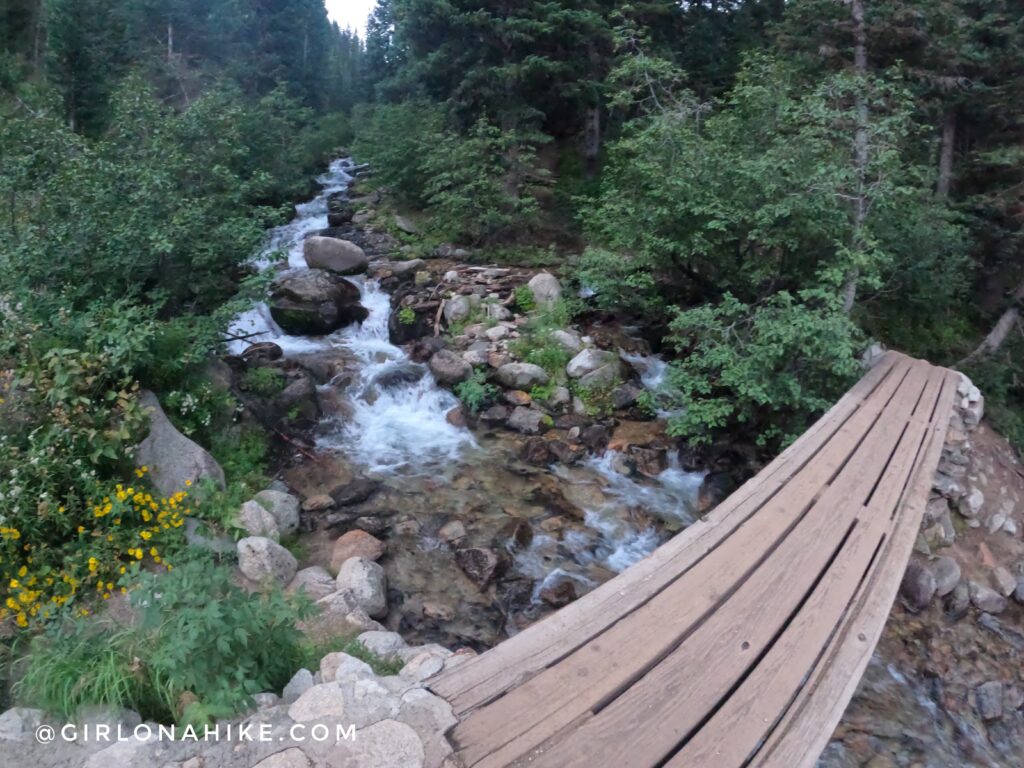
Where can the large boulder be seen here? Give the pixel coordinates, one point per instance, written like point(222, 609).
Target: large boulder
point(521, 376)
point(315, 582)
point(590, 360)
point(254, 519)
point(365, 581)
point(546, 289)
point(261, 559)
point(449, 368)
point(355, 544)
point(283, 507)
point(174, 462)
point(333, 255)
point(314, 302)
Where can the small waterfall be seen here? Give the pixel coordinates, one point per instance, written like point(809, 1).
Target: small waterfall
point(397, 427)
point(403, 426)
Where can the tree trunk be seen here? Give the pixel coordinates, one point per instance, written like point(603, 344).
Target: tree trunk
point(860, 149)
point(170, 41)
point(946, 155)
point(592, 138)
point(1006, 322)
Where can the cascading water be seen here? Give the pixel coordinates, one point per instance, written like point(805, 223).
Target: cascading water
point(388, 428)
point(393, 425)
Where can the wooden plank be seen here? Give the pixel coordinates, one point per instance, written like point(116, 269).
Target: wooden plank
point(515, 660)
point(644, 724)
point(741, 724)
point(809, 723)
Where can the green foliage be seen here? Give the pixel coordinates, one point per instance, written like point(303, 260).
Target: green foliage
point(765, 369)
point(202, 647)
point(242, 453)
point(264, 381)
point(525, 302)
point(474, 185)
point(395, 139)
point(754, 195)
point(535, 344)
point(313, 652)
point(407, 316)
point(597, 400)
point(1001, 380)
point(475, 393)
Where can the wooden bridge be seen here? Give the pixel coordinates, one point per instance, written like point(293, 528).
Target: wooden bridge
point(740, 641)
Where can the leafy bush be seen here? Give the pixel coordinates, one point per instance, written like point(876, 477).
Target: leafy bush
point(766, 369)
point(265, 381)
point(535, 344)
point(395, 139)
point(54, 554)
point(524, 299)
point(474, 185)
point(475, 392)
point(201, 648)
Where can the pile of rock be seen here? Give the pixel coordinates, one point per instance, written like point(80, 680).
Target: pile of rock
point(388, 721)
point(959, 505)
point(478, 306)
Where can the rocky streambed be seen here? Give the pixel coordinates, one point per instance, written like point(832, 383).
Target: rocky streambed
point(482, 517)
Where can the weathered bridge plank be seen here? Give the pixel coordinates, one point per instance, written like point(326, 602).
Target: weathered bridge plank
point(707, 653)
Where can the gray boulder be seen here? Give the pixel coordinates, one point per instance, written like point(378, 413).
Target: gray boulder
point(590, 360)
point(314, 302)
point(301, 682)
point(404, 224)
point(457, 309)
point(254, 519)
point(174, 461)
point(283, 507)
point(449, 368)
point(338, 256)
point(947, 575)
point(522, 376)
point(261, 559)
point(386, 645)
point(339, 666)
point(365, 581)
point(319, 702)
point(987, 600)
point(527, 421)
point(918, 586)
point(388, 744)
point(315, 582)
point(568, 340)
point(545, 288)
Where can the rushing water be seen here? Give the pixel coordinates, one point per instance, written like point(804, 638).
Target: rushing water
point(394, 427)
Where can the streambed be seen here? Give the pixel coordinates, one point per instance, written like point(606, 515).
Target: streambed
point(438, 488)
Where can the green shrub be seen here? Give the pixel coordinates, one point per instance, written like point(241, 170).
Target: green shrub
point(524, 299)
point(265, 381)
point(597, 400)
point(475, 392)
point(764, 370)
point(314, 652)
point(201, 648)
point(407, 316)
